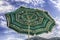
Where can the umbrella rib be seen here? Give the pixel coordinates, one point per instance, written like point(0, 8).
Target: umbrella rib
point(28, 31)
point(28, 27)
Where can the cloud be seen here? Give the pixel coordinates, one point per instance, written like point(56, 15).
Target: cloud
point(12, 38)
point(57, 3)
point(27, 1)
point(5, 7)
point(3, 22)
point(57, 26)
point(33, 2)
point(2, 17)
point(12, 35)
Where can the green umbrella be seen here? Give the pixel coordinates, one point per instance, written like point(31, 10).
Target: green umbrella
point(30, 21)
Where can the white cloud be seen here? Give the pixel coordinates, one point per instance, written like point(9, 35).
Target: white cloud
point(2, 17)
point(3, 24)
point(27, 1)
point(13, 38)
point(57, 3)
point(1, 2)
point(57, 19)
point(5, 7)
point(9, 31)
point(34, 2)
point(12, 35)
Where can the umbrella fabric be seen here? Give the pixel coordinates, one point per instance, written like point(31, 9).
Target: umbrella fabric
point(38, 21)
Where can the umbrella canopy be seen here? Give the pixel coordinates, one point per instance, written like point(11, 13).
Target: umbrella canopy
point(35, 20)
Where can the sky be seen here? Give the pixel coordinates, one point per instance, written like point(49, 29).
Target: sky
point(52, 6)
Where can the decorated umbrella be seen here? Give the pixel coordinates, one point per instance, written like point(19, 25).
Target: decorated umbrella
point(30, 21)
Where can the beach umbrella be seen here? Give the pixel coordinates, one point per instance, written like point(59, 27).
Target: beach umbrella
point(30, 21)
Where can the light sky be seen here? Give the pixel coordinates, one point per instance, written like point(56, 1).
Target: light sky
point(53, 6)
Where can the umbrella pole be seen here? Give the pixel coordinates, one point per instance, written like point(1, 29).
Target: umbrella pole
point(34, 34)
point(28, 32)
